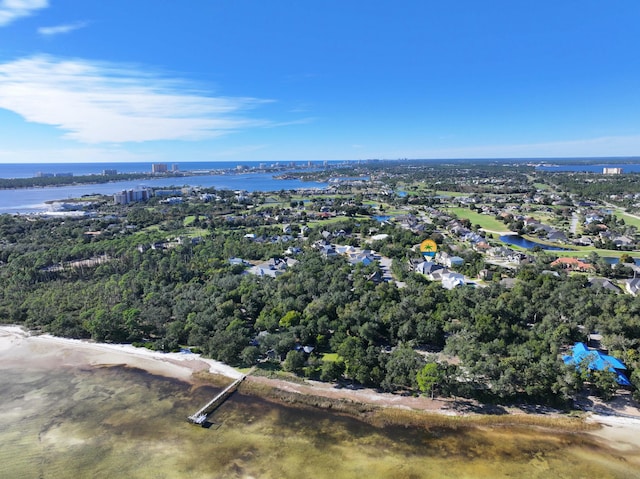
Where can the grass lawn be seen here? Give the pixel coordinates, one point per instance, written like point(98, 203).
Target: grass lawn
point(485, 221)
point(197, 232)
point(336, 219)
point(330, 357)
point(629, 220)
point(604, 253)
point(451, 193)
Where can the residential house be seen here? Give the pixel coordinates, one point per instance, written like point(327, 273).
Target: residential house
point(573, 264)
point(485, 274)
point(292, 250)
point(581, 356)
point(448, 260)
point(428, 268)
point(472, 237)
point(623, 241)
point(481, 246)
point(593, 218)
point(633, 286)
point(557, 236)
point(583, 241)
point(327, 250)
point(604, 283)
point(274, 267)
point(452, 280)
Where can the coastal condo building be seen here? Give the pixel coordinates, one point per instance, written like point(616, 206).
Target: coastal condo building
point(131, 196)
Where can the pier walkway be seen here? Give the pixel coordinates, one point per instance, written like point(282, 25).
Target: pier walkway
point(200, 417)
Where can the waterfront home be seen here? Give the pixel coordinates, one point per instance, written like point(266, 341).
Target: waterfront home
point(557, 236)
point(581, 356)
point(623, 241)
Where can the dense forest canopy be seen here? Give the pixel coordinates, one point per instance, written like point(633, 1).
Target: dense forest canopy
point(159, 275)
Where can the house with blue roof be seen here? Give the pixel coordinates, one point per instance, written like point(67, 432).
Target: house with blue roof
point(597, 361)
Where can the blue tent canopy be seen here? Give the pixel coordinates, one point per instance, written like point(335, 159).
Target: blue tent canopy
point(597, 362)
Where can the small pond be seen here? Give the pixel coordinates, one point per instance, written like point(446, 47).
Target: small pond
point(518, 240)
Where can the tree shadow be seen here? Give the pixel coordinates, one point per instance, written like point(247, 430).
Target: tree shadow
point(467, 406)
point(353, 386)
point(537, 409)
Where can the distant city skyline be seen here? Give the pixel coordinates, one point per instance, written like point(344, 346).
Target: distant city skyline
point(161, 82)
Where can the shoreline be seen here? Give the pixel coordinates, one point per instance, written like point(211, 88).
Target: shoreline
point(620, 432)
point(57, 351)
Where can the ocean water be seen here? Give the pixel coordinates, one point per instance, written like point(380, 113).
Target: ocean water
point(116, 422)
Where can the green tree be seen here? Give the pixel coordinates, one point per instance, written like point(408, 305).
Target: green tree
point(401, 369)
point(332, 370)
point(249, 355)
point(294, 362)
point(429, 377)
point(292, 318)
point(605, 383)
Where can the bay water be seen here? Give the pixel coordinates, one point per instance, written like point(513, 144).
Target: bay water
point(118, 422)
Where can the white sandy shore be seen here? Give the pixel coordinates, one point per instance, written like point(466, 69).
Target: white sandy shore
point(18, 347)
point(48, 350)
point(620, 433)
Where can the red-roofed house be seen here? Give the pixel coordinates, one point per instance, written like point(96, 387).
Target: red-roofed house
point(573, 264)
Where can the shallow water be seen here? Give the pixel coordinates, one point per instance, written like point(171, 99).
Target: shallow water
point(119, 422)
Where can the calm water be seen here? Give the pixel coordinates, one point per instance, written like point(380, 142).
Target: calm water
point(32, 200)
point(122, 423)
point(29, 170)
point(525, 243)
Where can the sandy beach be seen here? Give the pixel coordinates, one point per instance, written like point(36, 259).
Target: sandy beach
point(50, 351)
point(619, 431)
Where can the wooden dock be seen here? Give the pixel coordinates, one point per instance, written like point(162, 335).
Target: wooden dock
point(200, 417)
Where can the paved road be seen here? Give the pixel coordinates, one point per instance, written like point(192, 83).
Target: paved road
point(574, 223)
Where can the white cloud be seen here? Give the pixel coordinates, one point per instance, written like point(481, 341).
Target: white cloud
point(61, 29)
point(11, 10)
point(108, 103)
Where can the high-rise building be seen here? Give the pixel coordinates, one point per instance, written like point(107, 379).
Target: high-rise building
point(130, 196)
point(159, 168)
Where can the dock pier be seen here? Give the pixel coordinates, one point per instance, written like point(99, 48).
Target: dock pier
point(200, 418)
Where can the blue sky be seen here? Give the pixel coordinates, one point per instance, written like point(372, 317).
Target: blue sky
point(270, 80)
